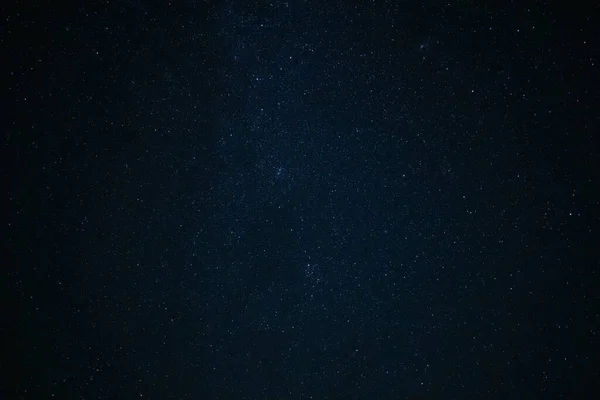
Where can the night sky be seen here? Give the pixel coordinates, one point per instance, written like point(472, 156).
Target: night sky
point(300, 199)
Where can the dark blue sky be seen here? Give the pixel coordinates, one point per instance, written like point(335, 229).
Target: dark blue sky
point(300, 200)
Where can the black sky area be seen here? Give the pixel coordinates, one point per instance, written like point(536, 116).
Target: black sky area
point(300, 200)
